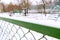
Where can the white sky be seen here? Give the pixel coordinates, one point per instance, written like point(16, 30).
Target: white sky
point(16, 2)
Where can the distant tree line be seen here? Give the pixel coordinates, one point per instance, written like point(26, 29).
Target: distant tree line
point(24, 5)
point(11, 7)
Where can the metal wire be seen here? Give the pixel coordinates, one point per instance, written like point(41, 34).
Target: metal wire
point(9, 31)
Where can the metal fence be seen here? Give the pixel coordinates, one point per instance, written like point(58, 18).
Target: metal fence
point(9, 31)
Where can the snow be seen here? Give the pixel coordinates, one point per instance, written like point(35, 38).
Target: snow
point(33, 18)
point(52, 20)
point(49, 20)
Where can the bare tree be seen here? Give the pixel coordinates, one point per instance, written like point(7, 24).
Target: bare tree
point(25, 6)
point(39, 7)
point(9, 7)
point(44, 4)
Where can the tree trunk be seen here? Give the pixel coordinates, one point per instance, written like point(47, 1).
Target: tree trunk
point(44, 7)
point(25, 13)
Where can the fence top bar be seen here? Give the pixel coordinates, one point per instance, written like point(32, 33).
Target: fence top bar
point(51, 23)
point(35, 26)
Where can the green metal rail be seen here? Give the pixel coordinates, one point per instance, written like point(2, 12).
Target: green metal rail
point(47, 30)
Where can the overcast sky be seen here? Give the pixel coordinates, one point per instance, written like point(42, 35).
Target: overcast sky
point(16, 2)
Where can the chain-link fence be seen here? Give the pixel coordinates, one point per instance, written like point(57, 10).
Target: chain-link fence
point(9, 31)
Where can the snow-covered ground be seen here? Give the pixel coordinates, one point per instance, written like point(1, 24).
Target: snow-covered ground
point(49, 19)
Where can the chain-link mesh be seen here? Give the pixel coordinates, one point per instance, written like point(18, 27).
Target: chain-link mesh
point(9, 31)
